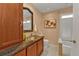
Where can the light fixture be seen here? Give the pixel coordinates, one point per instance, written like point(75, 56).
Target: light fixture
point(28, 21)
point(24, 21)
point(67, 16)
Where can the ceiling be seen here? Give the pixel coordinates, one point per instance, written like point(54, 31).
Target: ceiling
point(46, 7)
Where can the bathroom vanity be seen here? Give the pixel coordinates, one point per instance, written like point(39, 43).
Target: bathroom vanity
point(25, 48)
point(34, 48)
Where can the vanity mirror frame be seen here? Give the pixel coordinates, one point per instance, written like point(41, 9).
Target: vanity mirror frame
point(25, 8)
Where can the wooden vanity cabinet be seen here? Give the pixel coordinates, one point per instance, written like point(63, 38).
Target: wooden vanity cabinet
point(32, 50)
point(35, 49)
point(11, 17)
point(21, 53)
point(39, 47)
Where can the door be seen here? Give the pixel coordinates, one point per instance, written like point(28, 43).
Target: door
point(11, 23)
point(66, 25)
point(75, 36)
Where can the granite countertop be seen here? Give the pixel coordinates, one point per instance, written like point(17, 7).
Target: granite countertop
point(12, 50)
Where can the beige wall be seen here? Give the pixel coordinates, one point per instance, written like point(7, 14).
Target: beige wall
point(37, 17)
point(67, 10)
point(53, 34)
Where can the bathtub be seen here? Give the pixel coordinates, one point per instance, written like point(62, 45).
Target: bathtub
point(66, 47)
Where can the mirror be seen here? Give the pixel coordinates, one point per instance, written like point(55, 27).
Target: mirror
point(27, 20)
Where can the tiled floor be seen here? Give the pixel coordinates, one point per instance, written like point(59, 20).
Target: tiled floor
point(49, 50)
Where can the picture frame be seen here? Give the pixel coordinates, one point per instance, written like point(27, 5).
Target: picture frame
point(51, 23)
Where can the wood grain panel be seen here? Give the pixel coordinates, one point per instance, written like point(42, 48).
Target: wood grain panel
point(1, 25)
point(31, 50)
point(39, 47)
point(21, 53)
point(11, 18)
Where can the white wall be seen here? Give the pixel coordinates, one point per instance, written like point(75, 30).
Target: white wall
point(75, 48)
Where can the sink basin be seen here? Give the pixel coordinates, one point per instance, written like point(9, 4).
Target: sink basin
point(31, 38)
point(34, 37)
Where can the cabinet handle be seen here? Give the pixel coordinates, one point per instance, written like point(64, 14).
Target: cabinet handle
point(21, 23)
point(73, 41)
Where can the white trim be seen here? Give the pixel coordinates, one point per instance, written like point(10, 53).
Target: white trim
point(67, 16)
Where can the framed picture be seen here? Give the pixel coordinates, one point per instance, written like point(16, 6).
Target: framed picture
point(51, 23)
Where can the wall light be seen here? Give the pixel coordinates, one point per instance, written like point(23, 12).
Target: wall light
point(28, 21)
point(24, 22)
point(67, 16)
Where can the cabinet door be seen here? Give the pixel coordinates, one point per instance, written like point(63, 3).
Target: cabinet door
point(31, 50)
point(0, 25)
point(21, 53)
point(39, 47)
point(11, 23)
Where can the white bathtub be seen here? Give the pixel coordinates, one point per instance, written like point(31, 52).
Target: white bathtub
point(66, 45)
